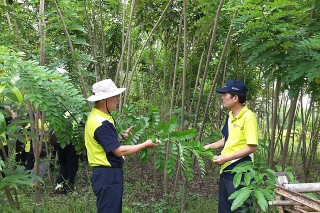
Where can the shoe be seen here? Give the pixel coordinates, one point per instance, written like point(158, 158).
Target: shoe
point(58, 186)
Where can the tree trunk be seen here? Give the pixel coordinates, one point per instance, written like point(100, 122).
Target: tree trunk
point(292, 111)
point(82, 82)
point(184, 193)
point(285, 113)
point(42, 34)
point(274, 122)
point(191, 107)
point(216, 76)
point(313, 145)
point(165, 99)
point(103, 46)
point(16, 28)
point(302, 145)
point(91, 39)
point(8, 16)
point(204, 77)
point(142, 49)
point(173, 90)
point(184, 71)
point(185, 59)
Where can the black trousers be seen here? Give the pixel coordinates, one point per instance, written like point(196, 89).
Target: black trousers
point(68, 166)
point(20, 153)
point(6, 150)
point(226, 188)
point(107, 185)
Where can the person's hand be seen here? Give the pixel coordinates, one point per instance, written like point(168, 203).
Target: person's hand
point(126, 133)
point(219, 159)
point(207, 146)
point(13, 114)
point(149, 144)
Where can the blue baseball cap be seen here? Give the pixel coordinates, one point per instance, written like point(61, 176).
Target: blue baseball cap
point(233, 86)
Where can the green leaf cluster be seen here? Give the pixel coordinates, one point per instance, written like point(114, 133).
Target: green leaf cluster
point(17, 177)
point(52, 93)
point(282, 39)
point(177, 146)
point(255, 186)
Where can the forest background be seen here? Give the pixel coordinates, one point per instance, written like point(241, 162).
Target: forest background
point(171, 56)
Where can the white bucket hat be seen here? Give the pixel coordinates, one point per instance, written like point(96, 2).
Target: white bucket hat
point(104, 89)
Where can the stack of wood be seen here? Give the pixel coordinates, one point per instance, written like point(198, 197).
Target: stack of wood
point(290, 197)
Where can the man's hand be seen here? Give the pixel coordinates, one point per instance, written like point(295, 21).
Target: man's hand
point(220, 159)
point(126, 133)
point(208, 146)
point(149, 144)
point(13, 114)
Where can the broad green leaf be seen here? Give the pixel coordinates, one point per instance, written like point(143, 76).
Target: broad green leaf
point(2, 123)
point(268, 193)
point(279, 168)
point(247, 178)
point(237, 179)
point(80, 41)
point(17, 93)
point(241, 198)
point(21, 138)
point(236, 194)
point(2, 87)
point(261, 200)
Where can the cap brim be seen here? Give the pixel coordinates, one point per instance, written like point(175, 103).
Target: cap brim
point(93, 98)
point(223, 90)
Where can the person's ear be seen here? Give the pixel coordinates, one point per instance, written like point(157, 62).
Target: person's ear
point(235, 98)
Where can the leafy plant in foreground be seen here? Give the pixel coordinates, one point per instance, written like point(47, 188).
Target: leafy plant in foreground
point(14, 178)
point(257, 184)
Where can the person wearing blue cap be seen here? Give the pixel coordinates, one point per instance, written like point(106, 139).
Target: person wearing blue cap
point(240, 139)
point(104, 151)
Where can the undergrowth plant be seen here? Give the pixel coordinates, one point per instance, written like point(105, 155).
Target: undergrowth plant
point(47, 98)
point(257, 183)
point(13, 178)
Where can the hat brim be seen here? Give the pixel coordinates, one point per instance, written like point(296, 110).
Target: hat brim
point(118, 91)
point(223, 90)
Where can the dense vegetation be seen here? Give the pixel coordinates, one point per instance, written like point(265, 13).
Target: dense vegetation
point(171, 55)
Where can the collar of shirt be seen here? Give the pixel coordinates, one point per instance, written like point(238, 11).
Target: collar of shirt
point(244, 109)
point(105, 115)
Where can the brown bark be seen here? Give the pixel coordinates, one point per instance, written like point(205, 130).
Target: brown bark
point(173, 90)
point(185, 59)
point(42, 34)
point(291, 116)
point(103, 46)
point(191, 107)
point(274, 122)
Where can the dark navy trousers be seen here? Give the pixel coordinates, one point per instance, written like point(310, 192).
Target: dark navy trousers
point(107, 185)
point(226, 188)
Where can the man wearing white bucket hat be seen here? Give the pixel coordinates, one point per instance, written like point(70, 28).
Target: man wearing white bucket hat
point(105, 153)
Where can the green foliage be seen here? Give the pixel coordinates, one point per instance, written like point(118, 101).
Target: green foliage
point(2, 122)
point(47, 90)
point(177, 146)
point(15, 178)
point(18, 177)
point(256, 183)
point(282, 38)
